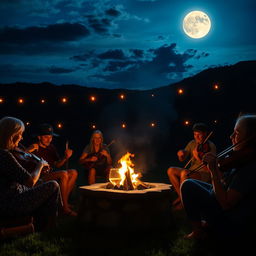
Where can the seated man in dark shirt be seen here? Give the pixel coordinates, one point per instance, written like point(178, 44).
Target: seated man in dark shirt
point(47, 151)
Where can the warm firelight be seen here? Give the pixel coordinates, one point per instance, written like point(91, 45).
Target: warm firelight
point(125, 175)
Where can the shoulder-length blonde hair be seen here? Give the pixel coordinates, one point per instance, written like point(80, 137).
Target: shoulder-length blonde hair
point(92, 149)
point(9, 127)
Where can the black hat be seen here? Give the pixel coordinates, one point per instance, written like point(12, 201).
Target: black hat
point(200, 127)
point(45, 129)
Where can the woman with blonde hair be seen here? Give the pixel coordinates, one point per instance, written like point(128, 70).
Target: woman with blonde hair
point(18, 194)
point(96, 157)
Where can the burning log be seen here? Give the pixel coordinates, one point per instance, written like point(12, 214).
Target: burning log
point(128, 185)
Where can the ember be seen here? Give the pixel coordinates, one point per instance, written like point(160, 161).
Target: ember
point(125, 178)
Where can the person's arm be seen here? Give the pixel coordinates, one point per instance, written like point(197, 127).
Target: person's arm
point(32, 148)
point(227, 198)
point(19, 174)
point(34, 176)
point(105, 153)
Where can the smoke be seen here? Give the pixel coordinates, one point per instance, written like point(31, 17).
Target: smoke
point(148, 121)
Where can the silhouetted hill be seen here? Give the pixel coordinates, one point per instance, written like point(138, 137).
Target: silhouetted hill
point(154, 144)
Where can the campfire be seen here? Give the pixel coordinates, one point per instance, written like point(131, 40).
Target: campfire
point(125, 178)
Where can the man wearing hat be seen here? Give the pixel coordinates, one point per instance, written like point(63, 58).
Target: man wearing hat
point(193, 151)
point(46, 150)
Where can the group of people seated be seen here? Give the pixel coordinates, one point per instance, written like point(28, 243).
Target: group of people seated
point(213, 191)
point(35, 180)
point(218, 192)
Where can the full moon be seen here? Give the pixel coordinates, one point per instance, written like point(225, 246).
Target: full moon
point(196, 24)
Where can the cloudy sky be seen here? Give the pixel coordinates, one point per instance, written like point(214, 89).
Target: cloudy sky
point(133, 44)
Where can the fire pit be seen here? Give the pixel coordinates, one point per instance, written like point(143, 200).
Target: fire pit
point(133, 209)
point(139, 205)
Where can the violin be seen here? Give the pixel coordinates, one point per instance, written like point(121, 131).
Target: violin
point(236, 159)
point(203, 148)
point(27, 160)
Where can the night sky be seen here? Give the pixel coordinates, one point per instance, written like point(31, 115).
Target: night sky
point(133, 44)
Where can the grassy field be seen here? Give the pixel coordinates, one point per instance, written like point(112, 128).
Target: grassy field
point(70, 238)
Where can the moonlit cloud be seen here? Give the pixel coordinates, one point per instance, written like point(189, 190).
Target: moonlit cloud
point(118, 44)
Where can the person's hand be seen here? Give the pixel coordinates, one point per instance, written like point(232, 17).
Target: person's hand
point(195, 153)
point(181, 154)
point(104, 153)
point(94, 158)
point(211, 160)
point(34, 147)
point(68, 153)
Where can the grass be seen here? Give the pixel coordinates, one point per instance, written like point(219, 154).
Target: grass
point(71, 239)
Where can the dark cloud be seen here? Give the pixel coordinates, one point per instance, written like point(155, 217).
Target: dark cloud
point(164, 67)
point(113, 12)
point(137, 53)
point(114, 66)
point(59, 70)
point(56, 33)
point(99, 25)
point(112, 54)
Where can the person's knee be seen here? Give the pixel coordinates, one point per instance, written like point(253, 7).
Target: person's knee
point(186, 186)
point(73, 173)
point(170, 171)
point(183, 175)
point(54, 185)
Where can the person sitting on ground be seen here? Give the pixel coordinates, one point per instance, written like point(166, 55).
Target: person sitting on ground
point(194, 150)
point(45, 149)
point(96, 158)
point(18, 195)
point(228, 204)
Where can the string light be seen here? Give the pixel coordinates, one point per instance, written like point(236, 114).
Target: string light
point(180, 91)
point(42, 101)
point(152, 95)
point(1, 100)
point(20, 100)
point(93, 126)
point(122, 96)
point(59, 125)
point(64, 100)
point(92, 98)
point(216, 87)
point(152, 124)
point(215, 121)
point(123, 125)
point(186, 122)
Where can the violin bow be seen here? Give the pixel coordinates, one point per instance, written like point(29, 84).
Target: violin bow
point(67, 159)
point(209, 135)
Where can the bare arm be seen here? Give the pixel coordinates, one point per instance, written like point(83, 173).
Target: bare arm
point(34, 176)
point(227, 198)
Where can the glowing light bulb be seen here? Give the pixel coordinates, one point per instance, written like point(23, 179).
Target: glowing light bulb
point(180, 91)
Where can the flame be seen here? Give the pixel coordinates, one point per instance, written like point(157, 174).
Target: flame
point(127, 168)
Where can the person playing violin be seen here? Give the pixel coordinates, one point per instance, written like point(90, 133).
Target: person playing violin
point(194, 150)
point(18, 194)
point(228, 204)
point(45, 149)
point(96, 158)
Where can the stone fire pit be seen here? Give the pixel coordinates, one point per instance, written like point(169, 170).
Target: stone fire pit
point(128, 210)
